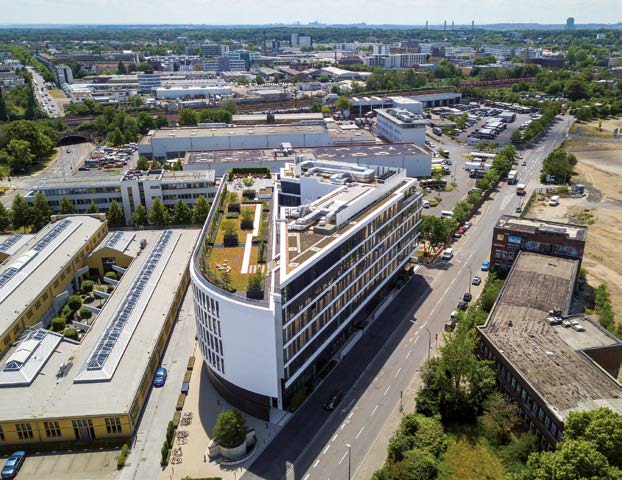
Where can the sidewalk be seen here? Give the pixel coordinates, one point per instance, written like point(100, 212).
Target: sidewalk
point(205, 404)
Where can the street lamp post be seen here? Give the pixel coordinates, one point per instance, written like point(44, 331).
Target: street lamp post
point(349, 462)
point(470, 278)
point(429, 337)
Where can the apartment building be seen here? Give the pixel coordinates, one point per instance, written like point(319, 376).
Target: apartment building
point(130, 189)
point(398, 125)
point(59, 391)
point(34, 281)
point(330, 262)
point(512, 235)
point(548, 361)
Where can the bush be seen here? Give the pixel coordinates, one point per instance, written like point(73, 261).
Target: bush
point(261, 256)
point(74, 302)
point(190, 365)
point(170, 434)
point(85, 313)
point(164, 451)
point(180, 402)
point(246, 222)
point(176, 419)
point(111, 275)
point(254, 288)
point(58, 324)
point(71, 332)
point(248, 194)
point(87, 286)
point(66, 312)
point(230, 237)
point(265, 171)
point(230, 429)
point(125, 449)
point(187, 376)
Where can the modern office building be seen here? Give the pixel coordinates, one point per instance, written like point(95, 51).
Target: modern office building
point(175, 142)
point(513, 234)
point(400, 126)
point(213, 49)
point(546, 367)
point(57, 390)
point(63, 74)
point(148, 81)
point(189, 92)
point(36, 278)
point(327, 266)
point(129, 189)
point(416, 160)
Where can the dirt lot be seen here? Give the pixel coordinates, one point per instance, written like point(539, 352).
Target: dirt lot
point(592, 128)
point(600, 169)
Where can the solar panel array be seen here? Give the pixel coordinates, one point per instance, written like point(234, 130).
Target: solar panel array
point(7, 275)
point(114, 239)
point(9, 242)
point(115, 328)
point(51, 235)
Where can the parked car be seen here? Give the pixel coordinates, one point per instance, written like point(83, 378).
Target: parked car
point(467, 297)
point(523, 163)
point(485, 266)
point(462, 305)
point(451, 324)
point(457, 234)
point(332, 401)
point(519, 209)
point(160, 377)
point(13, 464)
point(476, 280)
point(466, 225)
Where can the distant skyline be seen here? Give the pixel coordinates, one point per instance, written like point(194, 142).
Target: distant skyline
point(401, 12)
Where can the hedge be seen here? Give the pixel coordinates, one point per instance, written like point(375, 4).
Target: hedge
point(125, 449)
point(247, 171)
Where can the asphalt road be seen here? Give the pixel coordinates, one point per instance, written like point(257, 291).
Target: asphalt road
point(313, 445)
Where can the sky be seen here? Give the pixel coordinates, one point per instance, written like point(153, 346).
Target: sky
point(223, 12)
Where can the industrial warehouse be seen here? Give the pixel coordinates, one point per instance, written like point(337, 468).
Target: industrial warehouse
point(57, 389)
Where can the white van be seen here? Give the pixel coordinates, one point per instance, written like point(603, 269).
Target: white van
point(447, 254)
point(447, 214)
point(554, 201)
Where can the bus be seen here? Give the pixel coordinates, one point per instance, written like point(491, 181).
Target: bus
point(482, 156)
point(521, 189)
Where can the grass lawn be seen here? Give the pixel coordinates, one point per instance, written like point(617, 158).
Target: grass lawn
point(56, 93)
point(470, 457)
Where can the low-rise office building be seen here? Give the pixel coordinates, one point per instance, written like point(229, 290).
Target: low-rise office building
point(57, 390)
point(546, 367)
point(327, 265)
point(129, 189)
point(513, 234)
point(36, 279)
point(398, 125)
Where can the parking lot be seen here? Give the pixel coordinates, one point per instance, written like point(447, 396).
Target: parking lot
point(100, 465)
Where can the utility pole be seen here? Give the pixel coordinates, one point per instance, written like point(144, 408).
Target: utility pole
point(470, 278)
point(349, 459)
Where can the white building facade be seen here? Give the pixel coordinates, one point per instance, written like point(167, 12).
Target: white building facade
point(400, 126)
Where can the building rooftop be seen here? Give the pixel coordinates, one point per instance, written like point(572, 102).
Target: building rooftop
point(533, 225)
point(553, 359)
point(9, 244)
point(56, 390)
point(402, 117)
point(27, 273)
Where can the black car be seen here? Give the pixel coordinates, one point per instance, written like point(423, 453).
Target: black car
point(332, 401)
point(462, 305)
point(467, 297)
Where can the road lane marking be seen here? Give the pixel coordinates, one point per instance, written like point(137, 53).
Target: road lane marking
point(385, 392)
point(410, 339)
point(326, 449)
point(335, 437)
point(342, 425)
point(316, 462)
point(350, 416)
point(307, 476)
point(358, 434)
point(374, 411)
point(342, 458)
point(398, 372)
point(408, 354)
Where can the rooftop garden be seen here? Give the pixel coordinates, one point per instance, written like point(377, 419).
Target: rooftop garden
point(235, 247)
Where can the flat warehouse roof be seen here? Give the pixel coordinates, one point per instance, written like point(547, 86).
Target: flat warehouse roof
point(550, 357)
point(172, 133)
point(49, 396)
point(533, 225)
point(28, 271)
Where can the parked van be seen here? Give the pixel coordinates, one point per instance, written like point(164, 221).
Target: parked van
point(554, 201)
point(447, 254)
point(447, 214)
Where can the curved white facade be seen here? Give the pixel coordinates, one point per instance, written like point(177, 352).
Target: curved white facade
point(237, 339)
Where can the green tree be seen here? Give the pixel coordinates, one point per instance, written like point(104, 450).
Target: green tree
point(32, 108)
point(259, 80)
point(66, 206)
point(343, 104)
point(116, 137)
point(229, 106)
point(21, 212)
point(93, 208)
point(200, 210)
point(188, 117)
point(4, 116)
point(5, 218)
point(115, 214)
point(182, 214)
point(20, 157)
point(230, 429)
point(576, 89)
point(434, 232)
point(145, 122)
point(139, 216)
point(121, 70)
point(601, 426)
point(41, 212)
point(142, 163)
point(499, 420)
point(74, 302)
point(159, 214)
